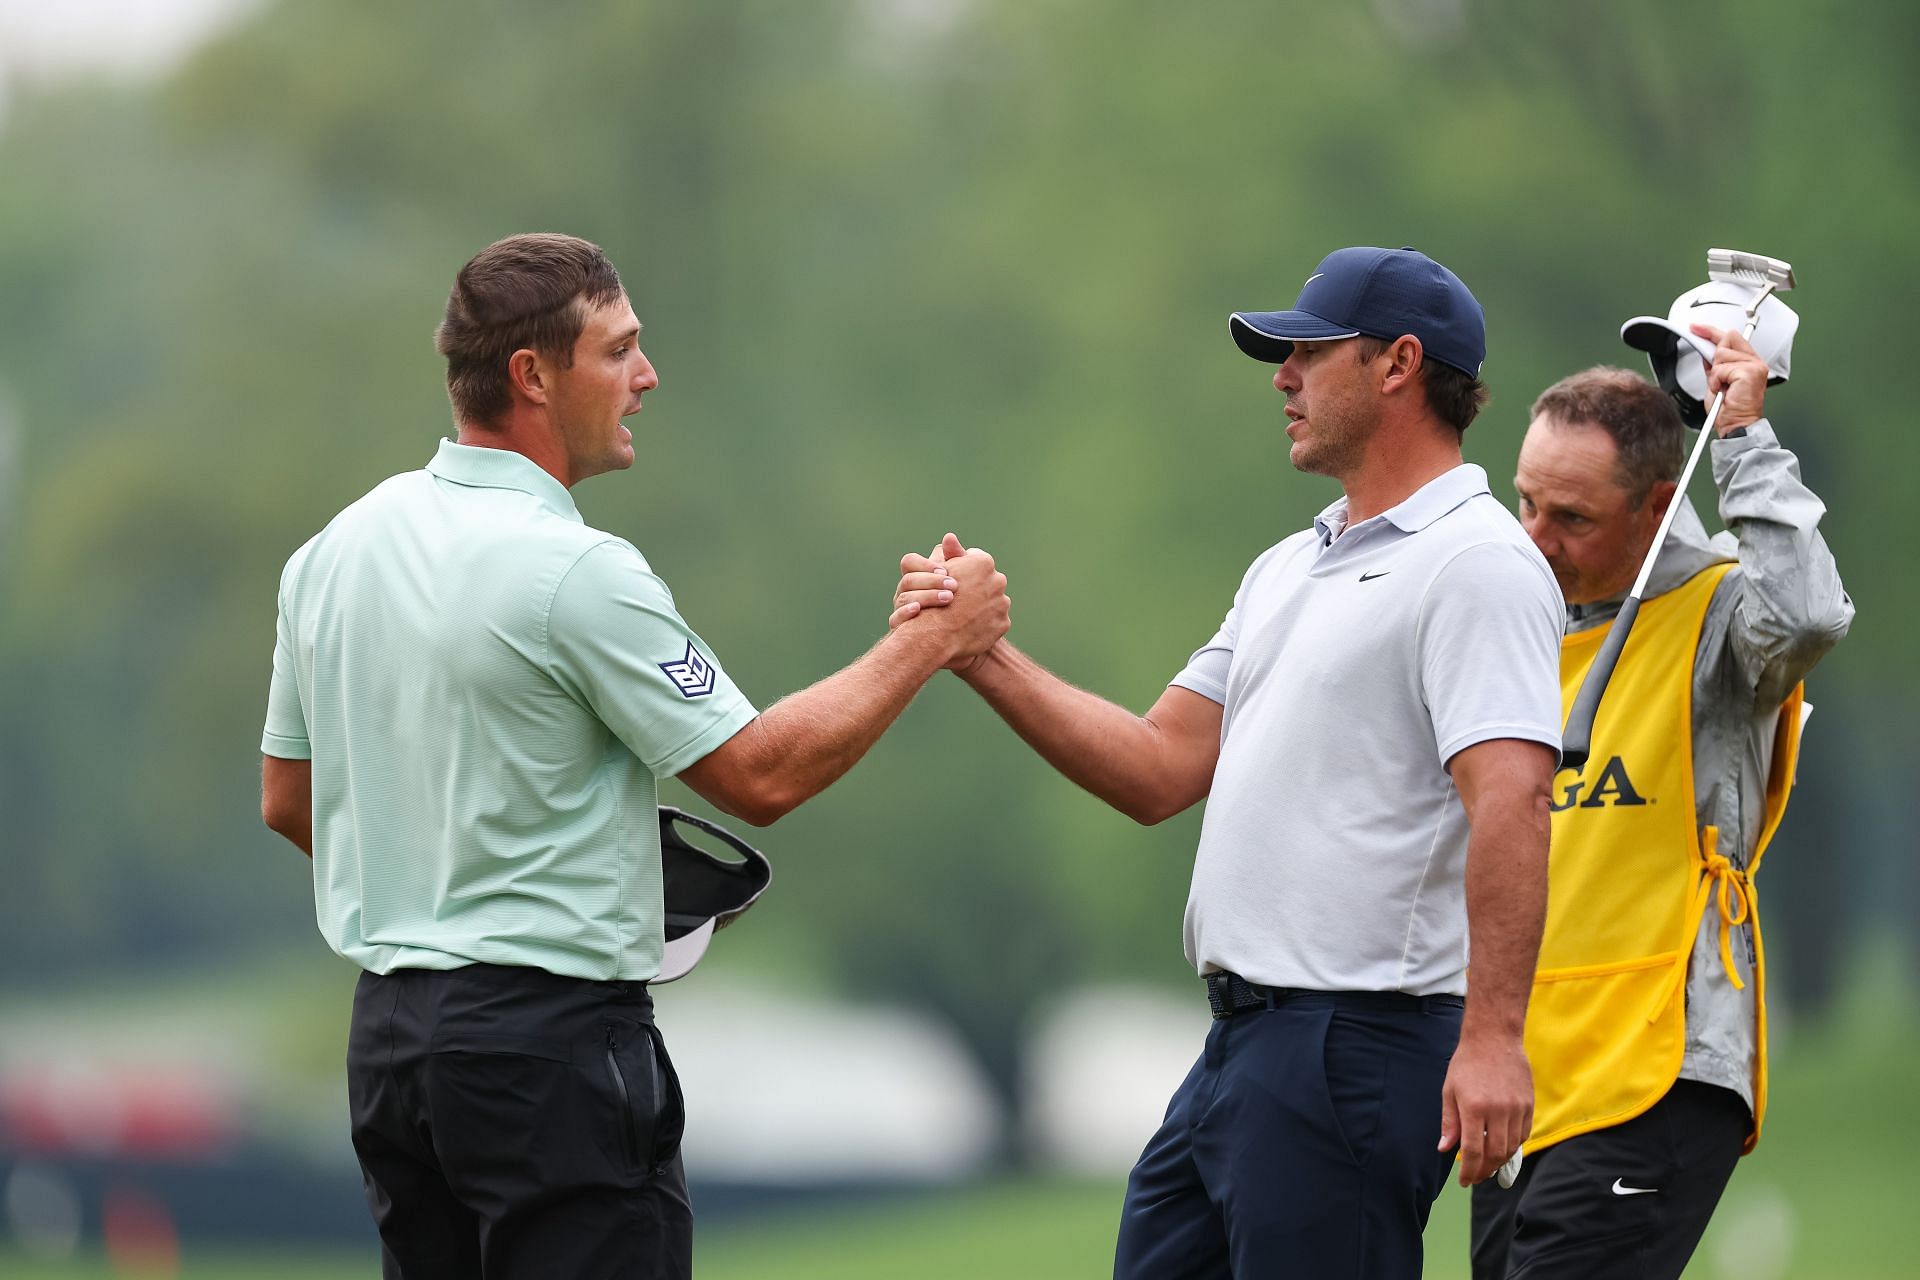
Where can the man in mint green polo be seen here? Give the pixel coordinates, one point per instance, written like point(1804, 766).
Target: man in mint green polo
point(474, 697)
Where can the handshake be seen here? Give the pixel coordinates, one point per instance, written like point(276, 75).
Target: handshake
point(955, 593)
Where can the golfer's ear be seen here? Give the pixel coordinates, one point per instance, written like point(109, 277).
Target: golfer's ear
point(524, 371)
point(1404, 356)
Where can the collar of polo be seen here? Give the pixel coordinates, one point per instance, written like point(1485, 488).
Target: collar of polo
point(1437, 497)
point(483, 468)
point(1425, 505)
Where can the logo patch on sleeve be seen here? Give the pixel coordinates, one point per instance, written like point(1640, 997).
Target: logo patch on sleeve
point(691, 675)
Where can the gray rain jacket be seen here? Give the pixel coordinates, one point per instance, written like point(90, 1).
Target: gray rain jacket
point(1769, 622)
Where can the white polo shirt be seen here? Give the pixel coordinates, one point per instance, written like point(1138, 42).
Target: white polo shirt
point(1354, 664)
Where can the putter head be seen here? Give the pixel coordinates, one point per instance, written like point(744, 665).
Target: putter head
point(1750, 269)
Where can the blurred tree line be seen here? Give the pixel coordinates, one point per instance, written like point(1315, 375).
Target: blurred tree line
point(905, 266)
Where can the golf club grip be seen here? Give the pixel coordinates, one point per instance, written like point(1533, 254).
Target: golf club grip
point(1576, 742)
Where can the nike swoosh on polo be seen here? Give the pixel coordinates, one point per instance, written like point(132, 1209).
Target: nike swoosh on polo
point(1369, 577)
point(1621, 1189)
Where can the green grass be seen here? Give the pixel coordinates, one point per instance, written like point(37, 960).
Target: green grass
point(1010, 1231)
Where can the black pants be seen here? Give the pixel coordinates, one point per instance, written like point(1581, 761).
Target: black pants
point(1631, 1201)
point(1301, 1144)
point(511, 1123)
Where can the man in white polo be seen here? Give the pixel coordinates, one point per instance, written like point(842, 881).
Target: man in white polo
point(1374, 728)
point(474, 696)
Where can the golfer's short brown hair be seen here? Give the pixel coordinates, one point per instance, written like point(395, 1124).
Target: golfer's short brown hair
point(1455, 397)
point(1642, 419)
point(527, 291)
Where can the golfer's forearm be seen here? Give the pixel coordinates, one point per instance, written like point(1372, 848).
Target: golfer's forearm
point(1103, 748)
point(1506, 911)
point(801, 745)
point(286, 800)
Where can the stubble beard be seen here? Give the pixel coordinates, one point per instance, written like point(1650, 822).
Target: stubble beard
point(1334, 452)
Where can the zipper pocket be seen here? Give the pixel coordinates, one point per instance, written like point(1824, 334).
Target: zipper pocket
point(626, 1099)
point(653, 1067)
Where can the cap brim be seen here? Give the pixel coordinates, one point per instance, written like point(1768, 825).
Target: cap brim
point(680, 954)
point(1657, 335)
point(1270, 335)
point(700, 892)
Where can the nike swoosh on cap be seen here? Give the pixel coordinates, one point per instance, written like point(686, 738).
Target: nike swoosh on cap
point(1621, 1189)
point(1315, 276)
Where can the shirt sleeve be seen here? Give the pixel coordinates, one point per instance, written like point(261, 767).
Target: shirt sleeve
point(1791, 608)
point(1489, 649)
point(285, 735)
point(616, 642)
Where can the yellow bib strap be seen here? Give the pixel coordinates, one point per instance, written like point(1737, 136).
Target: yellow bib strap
point(1725, 887)
point(1732, 893)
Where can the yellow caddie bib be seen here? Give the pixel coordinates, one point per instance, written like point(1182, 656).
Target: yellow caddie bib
point(1630, 876)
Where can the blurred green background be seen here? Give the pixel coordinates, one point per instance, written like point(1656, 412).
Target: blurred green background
point(905, 266)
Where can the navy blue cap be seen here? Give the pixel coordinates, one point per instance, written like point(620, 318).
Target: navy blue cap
point(1382, 293)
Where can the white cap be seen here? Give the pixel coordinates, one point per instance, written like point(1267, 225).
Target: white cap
point(680, 954)
point(1679, 356)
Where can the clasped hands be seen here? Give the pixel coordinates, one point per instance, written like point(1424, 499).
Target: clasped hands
point(955, 590)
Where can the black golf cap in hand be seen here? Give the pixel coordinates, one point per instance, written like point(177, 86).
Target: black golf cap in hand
point(702, 892)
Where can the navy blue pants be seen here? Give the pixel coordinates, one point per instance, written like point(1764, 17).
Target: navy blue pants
point(1302, 1143)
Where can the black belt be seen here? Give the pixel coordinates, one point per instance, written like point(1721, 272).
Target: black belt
point(1229, 993)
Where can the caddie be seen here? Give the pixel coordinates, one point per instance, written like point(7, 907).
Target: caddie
point(1647, 1025)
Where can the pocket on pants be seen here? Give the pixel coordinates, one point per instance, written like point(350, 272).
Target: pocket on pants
point(503, 1124)
point(646, 1093)
point(1354, 1072)
point(672, 1123)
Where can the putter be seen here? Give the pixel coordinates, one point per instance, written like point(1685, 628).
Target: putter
point(1767, 276)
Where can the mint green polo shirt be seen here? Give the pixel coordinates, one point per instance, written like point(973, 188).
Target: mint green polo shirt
point(489, 691)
